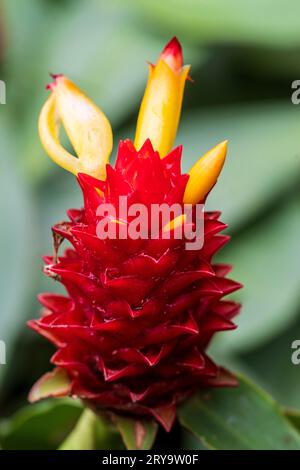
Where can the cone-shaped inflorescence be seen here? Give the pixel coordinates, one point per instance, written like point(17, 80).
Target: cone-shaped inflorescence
point(132, 331)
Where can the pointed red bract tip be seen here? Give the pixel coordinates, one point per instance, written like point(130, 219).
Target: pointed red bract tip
point(172, 54)
point(55, 76)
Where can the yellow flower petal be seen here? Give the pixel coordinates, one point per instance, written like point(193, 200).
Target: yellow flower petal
point(204, 174)
point(161, 105)
point(87, 127)
point(49, 135)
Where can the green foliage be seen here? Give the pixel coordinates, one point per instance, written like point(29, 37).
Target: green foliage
point(259, 22)
point(245, 418)
point(17, 238)
point(40, 426)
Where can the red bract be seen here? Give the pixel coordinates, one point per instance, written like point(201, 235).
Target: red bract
point(133, 330)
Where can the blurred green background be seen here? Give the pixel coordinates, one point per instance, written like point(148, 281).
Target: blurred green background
point(244, 58)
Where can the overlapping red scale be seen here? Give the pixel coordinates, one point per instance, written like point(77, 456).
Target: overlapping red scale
point(139, 314)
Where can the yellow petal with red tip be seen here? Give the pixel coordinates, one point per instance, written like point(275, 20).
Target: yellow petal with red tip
point(87, 127)
point(161, 105)
point(204, 174)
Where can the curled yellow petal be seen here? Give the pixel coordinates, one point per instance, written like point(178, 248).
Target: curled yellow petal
point(204, 174)
point(85, 124)
point(49, 134)
point(161, 105)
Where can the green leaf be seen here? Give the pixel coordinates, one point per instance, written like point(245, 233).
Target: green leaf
point(225, 21)
point(294, 417)
point(137, 434)
point(263, 155)
point(244, 418)
point(40, 426)
point(190, 442)
point(272, 367)
point(57, 423)
point(52, 384)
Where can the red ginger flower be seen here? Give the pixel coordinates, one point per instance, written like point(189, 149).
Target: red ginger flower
point(131, 335)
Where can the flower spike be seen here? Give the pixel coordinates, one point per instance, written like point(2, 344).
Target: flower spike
point(144, 296)
point(204, 174)
point(86, 126)
point(161, 105)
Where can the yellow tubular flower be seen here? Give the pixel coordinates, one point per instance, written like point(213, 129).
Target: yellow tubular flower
point(204, 174)
point(86, 126)
point(161, 105)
